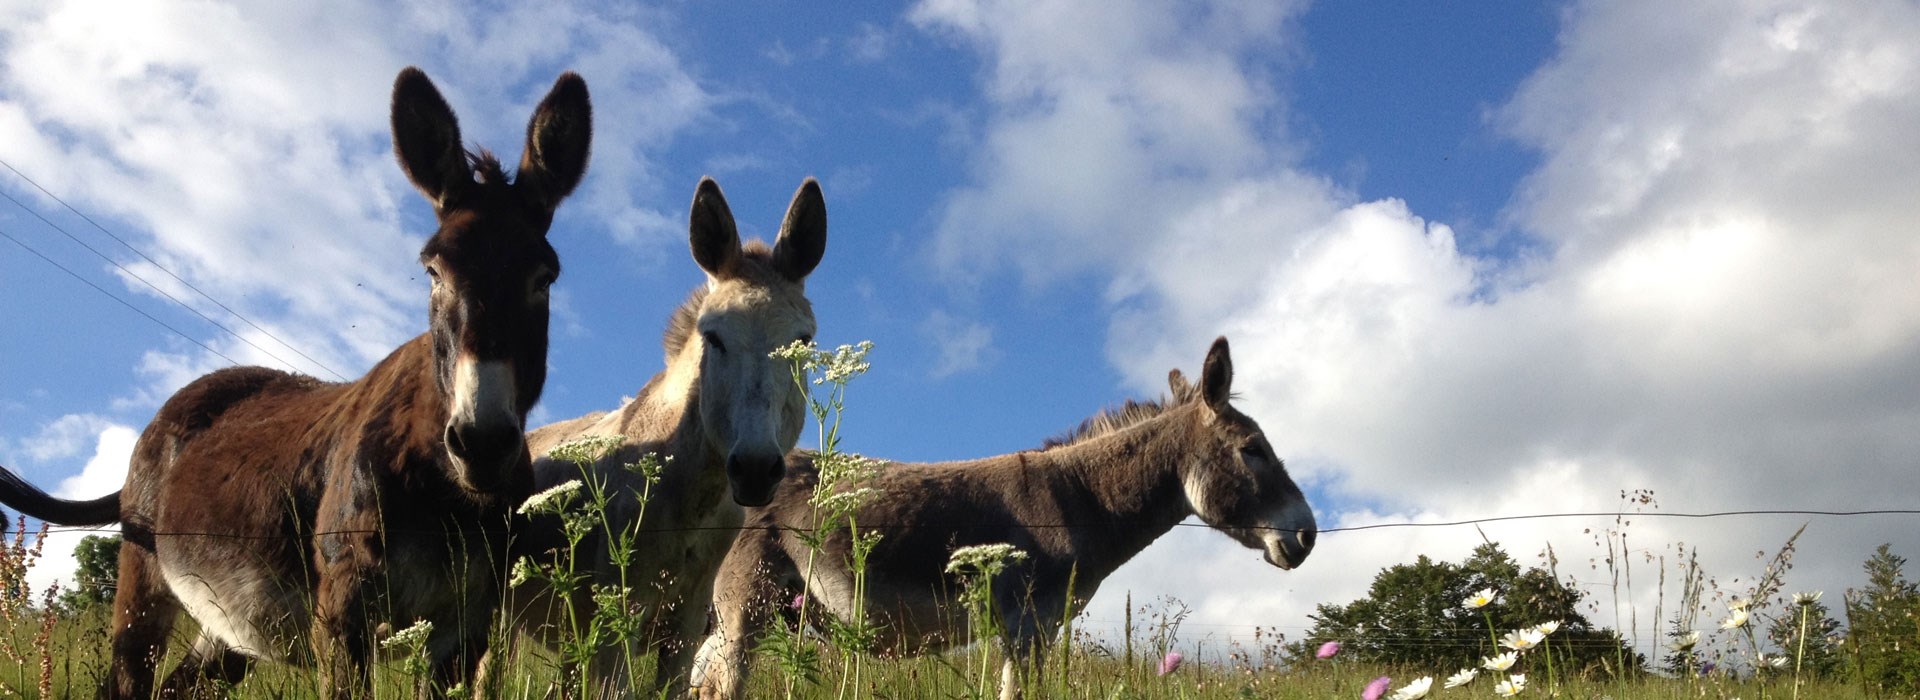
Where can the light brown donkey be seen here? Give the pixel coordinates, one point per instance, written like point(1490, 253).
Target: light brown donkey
point(723, 414)
point(290, 515)
point(1079, 508)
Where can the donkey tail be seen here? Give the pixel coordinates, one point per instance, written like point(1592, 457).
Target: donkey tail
point(34, 503)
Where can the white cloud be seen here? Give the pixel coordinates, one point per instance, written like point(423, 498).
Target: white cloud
point(961, 345)
point(258, 165)
point(64, 437)
point(1728, 312)
point(104, 473)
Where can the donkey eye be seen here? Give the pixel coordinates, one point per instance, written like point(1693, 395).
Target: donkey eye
point(713, 341)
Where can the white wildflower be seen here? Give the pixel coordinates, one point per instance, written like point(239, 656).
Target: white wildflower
point(1465, 676)
point(988, 559)
point(552, 500)
point(1501, 662)
point(1522, 640)
point(1806, 597)
point(410, 638)
point(1511, 686)
point(1415, 690)
point(1485, 597)
point(1736, 620)
point(1548, 627)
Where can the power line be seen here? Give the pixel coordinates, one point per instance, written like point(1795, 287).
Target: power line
point(1050, 526)
point(110, 295)
point(162, 268)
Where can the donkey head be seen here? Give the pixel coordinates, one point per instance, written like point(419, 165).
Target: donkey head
point(756, 302)
point(490, 265)
point(1233, 480)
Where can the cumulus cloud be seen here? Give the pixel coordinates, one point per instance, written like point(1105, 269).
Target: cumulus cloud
point(103, 473)
point(962, 345)
point(1727, 310)
point(258, 165)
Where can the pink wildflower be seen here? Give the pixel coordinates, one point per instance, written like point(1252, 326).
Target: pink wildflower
point(799, 601)
point(1171, 663)
point(1327, 650)
point(1376, 689)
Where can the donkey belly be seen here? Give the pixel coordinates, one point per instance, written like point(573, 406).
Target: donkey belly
point(236, 599)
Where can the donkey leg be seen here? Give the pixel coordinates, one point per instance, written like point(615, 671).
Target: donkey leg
point(746, 592)
point(340, 635)
point(143, 614)
point(210, 667)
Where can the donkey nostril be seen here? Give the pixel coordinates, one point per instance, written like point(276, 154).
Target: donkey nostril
point(455, 444)
point(1306, 538)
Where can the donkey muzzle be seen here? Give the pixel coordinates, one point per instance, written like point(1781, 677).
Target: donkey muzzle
point(755, 478)
point(484, 455)
point(1287, 548)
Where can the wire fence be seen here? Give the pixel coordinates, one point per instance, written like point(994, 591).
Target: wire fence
point(963, 526)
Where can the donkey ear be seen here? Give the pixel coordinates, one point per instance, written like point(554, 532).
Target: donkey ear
point(1216, 377)
point(426, 137)
point(558, 137)
point(803, 235)
point(1177, 384)
point(715, 241)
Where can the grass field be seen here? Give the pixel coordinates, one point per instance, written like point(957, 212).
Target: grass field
point(71, 656)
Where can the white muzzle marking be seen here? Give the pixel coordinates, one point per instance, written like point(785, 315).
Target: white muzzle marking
point(483, 392)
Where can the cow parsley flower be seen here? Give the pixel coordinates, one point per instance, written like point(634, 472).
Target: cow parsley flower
point(552, 500)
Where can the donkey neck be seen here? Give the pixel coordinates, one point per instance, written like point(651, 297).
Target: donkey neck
point(1131, 475)
point(397, 405)
point(667, 414)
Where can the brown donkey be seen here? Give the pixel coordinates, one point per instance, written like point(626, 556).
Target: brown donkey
point(1079, 508)
point(723, 414)
point(288, 515)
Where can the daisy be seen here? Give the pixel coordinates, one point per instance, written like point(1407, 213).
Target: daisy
point(1501, 662)
point(1465, 676)
point(1684, 642)
point(1548, 627)
point(1480, 600)
point(1511, 686)
point(1522, 640)
point(1806, 597)
point(1736, 620)
point(1415, 690)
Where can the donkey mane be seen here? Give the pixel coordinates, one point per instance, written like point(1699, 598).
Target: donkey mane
point(486, 168)
point(681, 326)
point(1113, 420)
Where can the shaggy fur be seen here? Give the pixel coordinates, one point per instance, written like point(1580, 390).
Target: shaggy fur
point(722, 415)
point(1079, 509)
point(290, 516)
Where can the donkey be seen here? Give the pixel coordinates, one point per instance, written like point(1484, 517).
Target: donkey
point(290, 515)
point(723, 415)
point(1079, 508)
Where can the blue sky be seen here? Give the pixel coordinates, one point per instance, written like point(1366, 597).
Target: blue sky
point(1475, 261)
